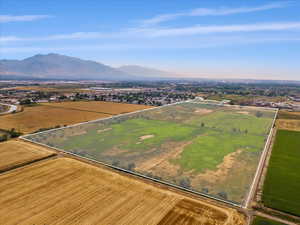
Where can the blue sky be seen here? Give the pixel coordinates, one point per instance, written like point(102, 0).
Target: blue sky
point(193, 38)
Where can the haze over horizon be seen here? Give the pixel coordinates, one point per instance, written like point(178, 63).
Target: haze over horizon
point(209, 39)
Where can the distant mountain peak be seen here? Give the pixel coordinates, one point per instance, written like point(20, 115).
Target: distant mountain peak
point(57, 66)
point(143, 71)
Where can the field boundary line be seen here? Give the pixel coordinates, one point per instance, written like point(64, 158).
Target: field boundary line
point(139, 111)
point(260, 166)
point(106, 118)
point(137, 174)
point(81, 110)
point(242, 205)
point(24, 164)
point(277, 219)
point(219, 103)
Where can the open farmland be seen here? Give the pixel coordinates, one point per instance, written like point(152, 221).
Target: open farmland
point(66, 191)
point(98, 106)
point(49, 88)
point(282, 187)
point(60, 114)
point(207, 148)
point(16, 153)
point(288, 120)
point(263, 221)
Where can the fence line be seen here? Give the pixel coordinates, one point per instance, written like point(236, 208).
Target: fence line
point(260, 165)
point(106, 118)
point(136, 174)
point(26, 138)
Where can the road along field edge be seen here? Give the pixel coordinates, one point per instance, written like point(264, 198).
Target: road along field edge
point(260, 166)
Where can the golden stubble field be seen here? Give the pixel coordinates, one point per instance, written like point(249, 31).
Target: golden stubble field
point(288, 120)
point(98, 106)
point(16, 153)
point(67, 191)
point(49, 115)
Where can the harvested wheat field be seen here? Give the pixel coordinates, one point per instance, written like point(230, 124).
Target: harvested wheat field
point(67, 191)
point(288, 124)
point(45, 116)
point(16, 153)
point(98, 106)
point(288, 120)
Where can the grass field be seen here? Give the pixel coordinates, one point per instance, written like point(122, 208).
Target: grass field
point(60, 114)
point(203, 147)
point(263, 221)
point(66, 191)
point(15, 153)
point(282, 187)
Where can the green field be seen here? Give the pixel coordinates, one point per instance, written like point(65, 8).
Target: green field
point(215, 145)
point(282, 184)
point(204, 147)
point(128, 133)
point(263, 221)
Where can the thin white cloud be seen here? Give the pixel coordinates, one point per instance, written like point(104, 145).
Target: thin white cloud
point(9, 39)
point(198, 29)
point(141, 33)
point(213, 12)
point(70, 36)
point(156, 44)
point(23, 18)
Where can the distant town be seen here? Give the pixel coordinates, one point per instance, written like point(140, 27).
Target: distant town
point(283, 96)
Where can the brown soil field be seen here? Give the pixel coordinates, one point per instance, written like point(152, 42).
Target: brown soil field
point(288, 120)
point(100, 107)
point(15, 153)
point(67, 191)
point(34, 118)
point(282, 114)
point(288, 124)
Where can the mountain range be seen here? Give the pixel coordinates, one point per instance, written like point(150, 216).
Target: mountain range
point(56, 66)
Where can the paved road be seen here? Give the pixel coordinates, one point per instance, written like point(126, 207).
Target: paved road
point(10, 110)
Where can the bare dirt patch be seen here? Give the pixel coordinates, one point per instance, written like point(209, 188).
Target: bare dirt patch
point(243, 112)
point(104, 130)
point(115, 151)
point(78, 133)
point(160, 163)
point(146, 137)
point(218, 175)
point(203, 111)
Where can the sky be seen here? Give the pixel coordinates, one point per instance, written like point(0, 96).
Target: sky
point(254, 39)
